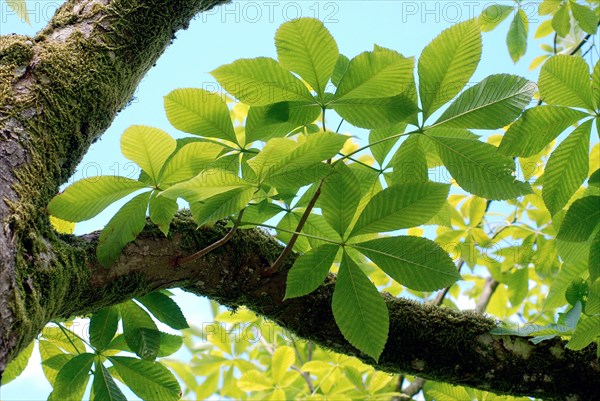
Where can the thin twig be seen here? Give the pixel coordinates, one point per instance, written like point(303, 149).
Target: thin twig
point(213, 246)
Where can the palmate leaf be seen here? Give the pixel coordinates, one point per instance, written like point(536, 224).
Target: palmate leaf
point(306, 47)
point(375, 112)
point(339, 198)
point(103, 327)
point(588, 21)
point(410, 162)
point(493, 15)
point(148, 147)
point(164, 309)
point(596, 89)
point(359, 310)
point(418, 263)
point(208, 183)
point(567, 168)
point(565, 81)
point(261, 81)
point(381, 150)
point(148, 380)
point(72, 379)
point(162, 211)
point(199, 112)
point(516, 40)
point(191, 156)
point(88, 197)
point(341, 66)
point(581, 220)
point(375, 74)
point(279, 119)
point(447, 64)
point(492, 103)
point(401, 206)
point(479, 168)
point(123, 228)
point(140, 331)
point(536, 128)
point(221, 205)
point(104, 386)
point(561, 22)
point(309, 270)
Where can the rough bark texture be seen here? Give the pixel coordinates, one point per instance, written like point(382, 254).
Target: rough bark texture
point(60, 90)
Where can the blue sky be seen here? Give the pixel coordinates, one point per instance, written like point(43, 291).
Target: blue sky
point(246, 29)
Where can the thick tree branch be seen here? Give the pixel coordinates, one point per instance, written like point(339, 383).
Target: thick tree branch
point(427, 341)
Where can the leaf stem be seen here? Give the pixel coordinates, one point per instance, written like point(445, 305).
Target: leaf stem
point(375, 143)
point(213, 246)
point(292, 232)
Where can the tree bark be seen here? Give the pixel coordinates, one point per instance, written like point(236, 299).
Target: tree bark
point(60, 90)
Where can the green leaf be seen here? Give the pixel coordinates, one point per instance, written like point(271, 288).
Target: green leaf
point(567, 168)
point(359, 310)
point(596, 90)
point(162, 211)
point(208, 183)
point(341, 66)
point(588, 21)
point(339, 198)
point(104, 386)
point(148, 147)
point(189, 160)
point(536, 128)
point(17, 365)
point(148, 380)
point(103, 327)
point(279, 119)
point(164, 309)
point(594, 258)
point(73, 378)
point(260, 81)
point(19, 7)
point(375, 112)
point(565, 81)
point(492, 103)
point(380, 150)
point(378, 74)
point(140, 331)
point(88, 197)
point(447, 64)
point(199, 112)
point(64, 339)
point(561, 22)
point(309, 270)
point(479, 168)
point(169, 344)
point(306, 47)
point(410, 162)
point(123, 228)
point(221, 205)
point(516, 40)
point(493, 15)
point(283, 358)
point(586, 332)
point(581, 219)
point(418, 263)
point(592, 306)
point(401, 206)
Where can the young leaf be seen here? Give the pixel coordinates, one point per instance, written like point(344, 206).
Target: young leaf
point(162, 211)
point(283, 359)
point(561, 22)
point(418, 263)
point(123, 228)
point(516, 40)
point(359, 310)
point(104, 386)
point(377, 74)
point(565, 81)
point(586, 332)
point(189, 160)
point(588, 21)
point(375, 112)
point(199, 112)
point(148, 147)
point(536, 128)
point(567, 168)
point(261, 81)
point(140, 331)
point(103, 327)
point(401, 206)
point(581, 219)
point(339, 198)
point(72, 379)
point(479, 168)
point(309, 270)
point(221, 205)
point(493, 15)
point(447, 64)
point(17, 365)
point(279, 119)
point(88, 197)
point(492, 103)
point(164, 309)
point(148, 380)
point(306, 47)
